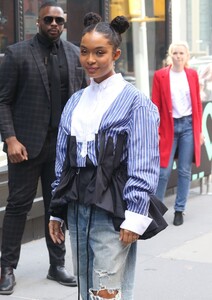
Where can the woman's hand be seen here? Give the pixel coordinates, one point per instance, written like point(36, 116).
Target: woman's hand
point(56, 232)
point(202, 139)
point(128, 237)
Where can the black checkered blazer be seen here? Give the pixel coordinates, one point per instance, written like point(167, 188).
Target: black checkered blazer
point(24, 92)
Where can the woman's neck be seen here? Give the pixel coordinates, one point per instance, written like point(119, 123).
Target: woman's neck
point(177, 68)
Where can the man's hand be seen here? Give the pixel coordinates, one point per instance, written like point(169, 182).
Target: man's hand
point(56, 232)
point(128, 237)
point(15, 150)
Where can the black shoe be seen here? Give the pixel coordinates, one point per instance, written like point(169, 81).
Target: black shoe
point(7, 281)
point(60, 274)
point(178, 218)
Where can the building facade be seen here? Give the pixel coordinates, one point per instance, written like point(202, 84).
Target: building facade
point(18, 22)
point(154, 24)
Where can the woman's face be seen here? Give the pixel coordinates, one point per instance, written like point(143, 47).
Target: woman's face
point(97, 56)
point(179, 56)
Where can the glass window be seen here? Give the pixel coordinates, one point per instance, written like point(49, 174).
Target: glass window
point(147, 42)
point(30, 18)
point(195, 28)
point(77, 9)
point(7, 33)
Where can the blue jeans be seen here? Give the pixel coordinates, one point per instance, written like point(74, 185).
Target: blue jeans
point(104, 262)
point(183, 142)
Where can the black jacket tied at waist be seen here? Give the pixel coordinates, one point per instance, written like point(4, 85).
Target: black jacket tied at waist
point(101, 186)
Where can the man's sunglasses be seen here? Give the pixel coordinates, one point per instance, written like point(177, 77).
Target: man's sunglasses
point(49, 19)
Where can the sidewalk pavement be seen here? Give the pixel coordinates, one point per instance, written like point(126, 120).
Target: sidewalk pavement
point(174, 265)
point(3, 158)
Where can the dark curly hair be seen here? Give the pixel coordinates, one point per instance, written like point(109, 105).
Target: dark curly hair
point(112, 31)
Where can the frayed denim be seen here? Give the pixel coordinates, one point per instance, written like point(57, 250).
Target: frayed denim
point(104, 261)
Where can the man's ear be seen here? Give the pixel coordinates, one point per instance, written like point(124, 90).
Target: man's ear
point(117, 54)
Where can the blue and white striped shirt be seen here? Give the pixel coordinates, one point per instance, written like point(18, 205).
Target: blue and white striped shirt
point(135, 114)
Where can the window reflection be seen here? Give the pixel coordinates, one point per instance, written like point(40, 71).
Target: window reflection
point(6, 25)
point(30, 18)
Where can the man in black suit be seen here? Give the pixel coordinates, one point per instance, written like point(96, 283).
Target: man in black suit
point(28, 125)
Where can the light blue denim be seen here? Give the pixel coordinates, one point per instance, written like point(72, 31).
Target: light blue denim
point(111, 264)
point(184, 144)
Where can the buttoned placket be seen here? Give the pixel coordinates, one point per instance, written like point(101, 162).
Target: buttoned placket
point(88, 128)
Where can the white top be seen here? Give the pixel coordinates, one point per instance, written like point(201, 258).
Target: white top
point(180, 94)
point(95, 100)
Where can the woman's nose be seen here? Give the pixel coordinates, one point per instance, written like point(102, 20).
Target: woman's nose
point(90, 59)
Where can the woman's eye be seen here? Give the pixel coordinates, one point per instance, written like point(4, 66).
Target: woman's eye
point(83, 51)
point(99, 53)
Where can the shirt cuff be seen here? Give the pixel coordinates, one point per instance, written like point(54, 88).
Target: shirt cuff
point(57, 219)
point(135, 222)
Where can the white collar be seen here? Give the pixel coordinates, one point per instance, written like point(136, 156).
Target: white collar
point(112, 80)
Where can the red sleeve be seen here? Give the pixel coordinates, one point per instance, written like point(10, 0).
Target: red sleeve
point(156, 90)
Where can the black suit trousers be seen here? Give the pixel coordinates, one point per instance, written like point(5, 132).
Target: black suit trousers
point(23, 182)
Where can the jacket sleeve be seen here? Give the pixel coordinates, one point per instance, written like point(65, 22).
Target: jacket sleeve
point(199, 102)
point(8, 86)
point(156, 90)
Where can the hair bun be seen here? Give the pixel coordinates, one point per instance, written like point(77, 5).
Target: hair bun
point(91, 18)
point(120, 24)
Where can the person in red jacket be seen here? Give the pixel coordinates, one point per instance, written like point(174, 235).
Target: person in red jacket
point(176, 93)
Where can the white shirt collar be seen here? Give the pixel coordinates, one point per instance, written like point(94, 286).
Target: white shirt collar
point(112, 80)
point(94, 102)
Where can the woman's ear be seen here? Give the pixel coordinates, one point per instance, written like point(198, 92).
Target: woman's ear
point(117, 54)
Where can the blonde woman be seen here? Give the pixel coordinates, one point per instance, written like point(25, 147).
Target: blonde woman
point(176, 93)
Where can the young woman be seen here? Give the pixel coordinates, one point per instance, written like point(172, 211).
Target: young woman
point(176, 93)
point(107, 165)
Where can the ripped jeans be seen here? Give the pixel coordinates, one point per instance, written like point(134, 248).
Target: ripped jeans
point(104, 262)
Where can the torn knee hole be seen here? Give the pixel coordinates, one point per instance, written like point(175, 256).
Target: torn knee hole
point(106, 294)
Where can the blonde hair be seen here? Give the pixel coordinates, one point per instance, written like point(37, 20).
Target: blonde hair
point(170, 51)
